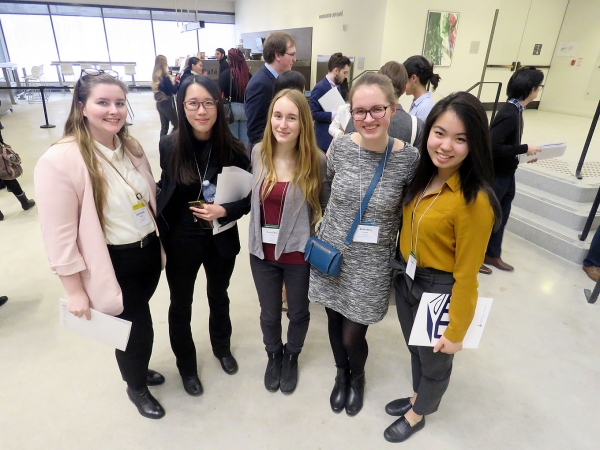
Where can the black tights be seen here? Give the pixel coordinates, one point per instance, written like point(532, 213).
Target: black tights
point(348, 342)
point(14, 186)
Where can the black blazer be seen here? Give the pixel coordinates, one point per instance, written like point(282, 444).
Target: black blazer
point(506, 131)
point(259, 94)
point(227, 242)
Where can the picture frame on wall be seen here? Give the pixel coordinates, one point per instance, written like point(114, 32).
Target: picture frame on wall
point(440, 37)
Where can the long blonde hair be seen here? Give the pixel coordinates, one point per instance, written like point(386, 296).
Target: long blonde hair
point(161, 68)
point(307, 170)
point(77, 128)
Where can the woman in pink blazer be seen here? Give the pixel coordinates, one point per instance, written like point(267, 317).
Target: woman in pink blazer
point(96, 202)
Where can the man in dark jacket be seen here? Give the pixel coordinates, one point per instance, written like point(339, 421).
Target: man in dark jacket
point(338, 67)
point(279, 53)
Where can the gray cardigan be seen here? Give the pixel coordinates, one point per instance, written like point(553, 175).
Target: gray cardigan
point(295, 227)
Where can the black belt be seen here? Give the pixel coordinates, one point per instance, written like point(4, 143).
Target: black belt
point(422, 273)
point(139, 244)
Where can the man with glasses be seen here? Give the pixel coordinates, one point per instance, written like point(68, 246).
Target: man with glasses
point(338, 67)
point(279, 53)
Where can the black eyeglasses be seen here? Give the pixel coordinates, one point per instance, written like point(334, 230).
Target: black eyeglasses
point(293, 55)
point(376, 112)
point(194, 105)
point(95, 72)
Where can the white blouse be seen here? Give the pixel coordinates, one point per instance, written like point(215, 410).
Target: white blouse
point(120, 225)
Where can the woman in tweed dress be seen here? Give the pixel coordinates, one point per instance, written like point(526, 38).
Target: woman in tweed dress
point(359, 295)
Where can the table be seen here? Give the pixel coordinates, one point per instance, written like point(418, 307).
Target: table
point(79, 63)
point(9, 69)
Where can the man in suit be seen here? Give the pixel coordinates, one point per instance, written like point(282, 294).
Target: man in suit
point(338, 67)
point(279, 53)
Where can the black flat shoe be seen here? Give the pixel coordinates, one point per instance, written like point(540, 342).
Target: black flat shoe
point(229, 364)
point(398, 407)
point(154, 378)
point(192, 385)
point(401, 430)
point(146, 404)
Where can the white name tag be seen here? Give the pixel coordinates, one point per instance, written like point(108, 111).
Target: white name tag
point(270, 235)
point(141, 215)
point(411, 266)
point(367, 233)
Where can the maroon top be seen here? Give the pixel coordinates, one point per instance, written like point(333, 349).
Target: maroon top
point(270, 213)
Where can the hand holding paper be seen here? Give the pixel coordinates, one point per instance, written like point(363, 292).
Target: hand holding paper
point(547, 151)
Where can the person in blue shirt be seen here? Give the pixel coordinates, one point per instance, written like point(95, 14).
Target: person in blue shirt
point(420, 79)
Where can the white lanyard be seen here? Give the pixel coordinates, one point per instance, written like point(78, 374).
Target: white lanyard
point(205, 170)
point(280, 205)
point(360, 198)
point(413, 250)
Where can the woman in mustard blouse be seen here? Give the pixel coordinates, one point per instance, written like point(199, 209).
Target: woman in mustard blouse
point(448, 215)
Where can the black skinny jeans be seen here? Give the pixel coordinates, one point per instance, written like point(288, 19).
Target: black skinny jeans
point(185, 255)
point(269, 277)
point(14, 186)
point(348, 341)
point(167, 113)
point(137, 271)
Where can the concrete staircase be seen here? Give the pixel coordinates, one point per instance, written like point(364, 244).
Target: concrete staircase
point(551, 207)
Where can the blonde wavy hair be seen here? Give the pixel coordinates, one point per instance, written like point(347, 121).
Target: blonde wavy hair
point(307, 170)
point(161, 68)
point(76, 128)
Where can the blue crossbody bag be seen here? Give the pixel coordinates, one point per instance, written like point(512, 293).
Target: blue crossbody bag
point(327, 258)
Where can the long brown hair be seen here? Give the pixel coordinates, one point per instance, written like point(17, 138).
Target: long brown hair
point(77, 128)
point(307, 170)
point(161, 68)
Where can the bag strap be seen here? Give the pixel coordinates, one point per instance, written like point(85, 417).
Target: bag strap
point(369, 193)
point(413, 131)
point(230, 82)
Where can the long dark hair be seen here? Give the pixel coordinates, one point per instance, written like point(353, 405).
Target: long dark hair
point(239, 71)
point(476, 173)
point(182, 166)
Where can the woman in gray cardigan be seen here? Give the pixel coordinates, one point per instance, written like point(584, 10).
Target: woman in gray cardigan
point(289, 195)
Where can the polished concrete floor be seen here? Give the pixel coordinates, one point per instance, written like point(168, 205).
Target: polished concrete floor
point(532, 384)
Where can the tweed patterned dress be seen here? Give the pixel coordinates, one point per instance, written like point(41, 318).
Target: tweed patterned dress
point(362, 289)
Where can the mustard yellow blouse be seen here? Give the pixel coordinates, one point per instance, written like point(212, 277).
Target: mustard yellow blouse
point(453, 237)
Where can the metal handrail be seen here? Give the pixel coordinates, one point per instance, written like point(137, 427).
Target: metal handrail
point(361, 74)
point(587, 143)
point(497, 94)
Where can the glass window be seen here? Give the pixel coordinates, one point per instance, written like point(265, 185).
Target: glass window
point(31, 48)
point(23, 8)
point(130, 40)
point(75, 10)
point(216, 35)
point(172, 43)
point(80, 38)
point(126, 13)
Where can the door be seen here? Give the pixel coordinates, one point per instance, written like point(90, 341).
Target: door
point(525, 35)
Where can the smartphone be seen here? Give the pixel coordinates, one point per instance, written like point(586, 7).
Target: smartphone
point(197, 203)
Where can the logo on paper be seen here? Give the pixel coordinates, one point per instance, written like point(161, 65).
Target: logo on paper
point(438, 316)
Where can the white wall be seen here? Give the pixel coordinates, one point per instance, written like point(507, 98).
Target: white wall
point(364, 25)
point(566, 86)
point(202, 5)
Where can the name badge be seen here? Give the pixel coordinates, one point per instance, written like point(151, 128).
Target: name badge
point(270, 233)
point(366, 233)
point(411, 266)
point(141, 215)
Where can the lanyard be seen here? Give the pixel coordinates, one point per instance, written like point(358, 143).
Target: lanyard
point(205, 170)
point(137, 194)
point(360, 183)
point(413, 250)
point(280, 205)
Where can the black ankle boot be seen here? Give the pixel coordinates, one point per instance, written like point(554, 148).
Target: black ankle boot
point(25, 202)
point(273, 372)
point(340, 390)
point(354, 401)
point(146, 404)
point(289, 372)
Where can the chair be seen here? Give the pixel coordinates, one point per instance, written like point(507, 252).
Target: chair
point(34, 79)
point(130, 70)
point(66, 70)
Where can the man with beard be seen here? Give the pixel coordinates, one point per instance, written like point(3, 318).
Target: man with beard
point(338, 67)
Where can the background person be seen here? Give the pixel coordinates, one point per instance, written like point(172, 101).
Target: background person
point(420, 78)
point(88, 185)
point(223, 64)
point(164, 90)
point(448, 214)
point(507, 130)
point(338, 67)
point(191, 159)
point(290, 191)
point(193, 67)
point(290, 79)
point(279, 53)
point(237, 75)
point(359, 295)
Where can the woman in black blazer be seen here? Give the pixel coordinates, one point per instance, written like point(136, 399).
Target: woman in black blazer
point(191, 159)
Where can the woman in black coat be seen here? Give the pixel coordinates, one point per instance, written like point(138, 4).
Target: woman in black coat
point(191, 159)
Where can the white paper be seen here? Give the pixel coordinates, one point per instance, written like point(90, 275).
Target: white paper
point(233, 184)
point(331, 101)
point(101, 327)
point(432, 319)
point(548, 151)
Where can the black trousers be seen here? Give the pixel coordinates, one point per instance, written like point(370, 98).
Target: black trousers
point(430, 371)
point(13, 186)
point(138, 272)
point(167, 113)
point(505, 189)
point(269, 277)
point(184, 258)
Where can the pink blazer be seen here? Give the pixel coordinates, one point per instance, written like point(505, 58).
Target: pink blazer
point(71, 230)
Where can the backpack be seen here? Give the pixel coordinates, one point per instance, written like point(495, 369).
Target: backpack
point(10, 163)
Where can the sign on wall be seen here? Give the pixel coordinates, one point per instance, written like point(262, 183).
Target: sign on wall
point(440, 37)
